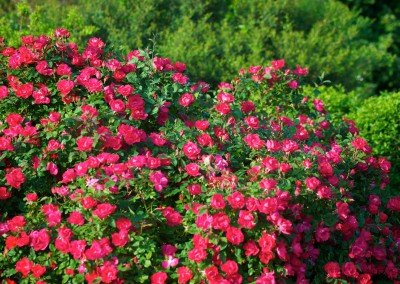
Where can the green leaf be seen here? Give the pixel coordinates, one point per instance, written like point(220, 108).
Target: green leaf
point(147, 263)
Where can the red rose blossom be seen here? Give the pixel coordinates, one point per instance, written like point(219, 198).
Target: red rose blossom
point(192, 169)
point(230, 267)
point(191, 150)
point(85, 143)
point(223, 108)
point(234, 235)
point(159, 278)
point(103, 210)
point(37, 271)
point(332, 269)
point(197, 254)
point(15, 177)
point(349, 269)
point(186, 100)
point(24, 266)
point(39, 239)
point(24, 91)
point(184, 274)
point(65, 86)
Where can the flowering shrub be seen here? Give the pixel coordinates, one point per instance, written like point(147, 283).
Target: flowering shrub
point(120, 169)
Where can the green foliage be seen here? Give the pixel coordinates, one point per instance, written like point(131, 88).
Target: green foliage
point(378, 120)
point(338, 102)
point(42, 17)
point(126, 23)
point(386, 24)
point(6, 6)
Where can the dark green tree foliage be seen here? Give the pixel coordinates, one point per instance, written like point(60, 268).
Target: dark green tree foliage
point(6, 6)
point(386, 24)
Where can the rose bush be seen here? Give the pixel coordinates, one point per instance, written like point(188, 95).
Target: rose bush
point(119, 169)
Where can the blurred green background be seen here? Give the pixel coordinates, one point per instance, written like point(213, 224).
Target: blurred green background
point(355, 44)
